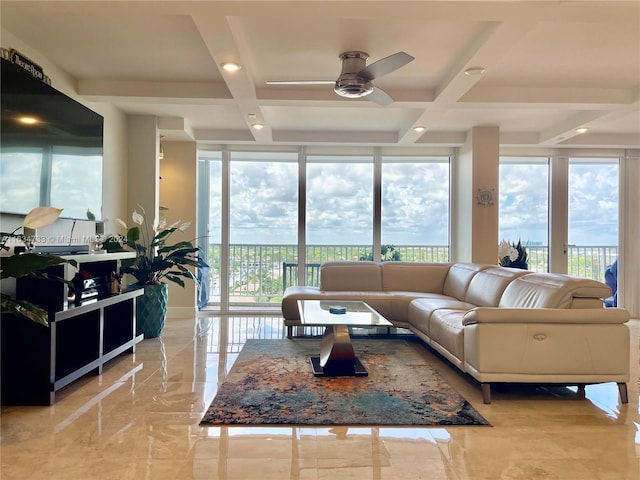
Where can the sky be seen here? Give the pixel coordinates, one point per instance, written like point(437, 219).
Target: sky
point(593, 203)
point(339, 203)
point(339, 198)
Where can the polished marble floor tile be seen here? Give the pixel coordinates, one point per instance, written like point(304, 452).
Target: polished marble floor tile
point(140, 420)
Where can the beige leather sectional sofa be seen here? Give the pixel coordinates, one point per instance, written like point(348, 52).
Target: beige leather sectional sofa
point(496, 324)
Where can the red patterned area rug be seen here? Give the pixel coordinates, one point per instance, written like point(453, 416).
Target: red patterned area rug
point(271, 382)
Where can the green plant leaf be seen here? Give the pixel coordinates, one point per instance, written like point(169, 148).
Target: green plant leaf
point(133, 235)
point(175, 279)
point(25, 309)
point(21, 265)
point(111, 245)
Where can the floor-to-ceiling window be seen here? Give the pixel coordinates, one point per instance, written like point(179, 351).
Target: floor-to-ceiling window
point(263, 224)
point(339, 207)
point(267, 208)
point(524, 206)
point(593, 188)
point(415, 209)
point(581, 201)
point(210, 224)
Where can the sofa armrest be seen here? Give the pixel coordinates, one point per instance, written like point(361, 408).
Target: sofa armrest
point(545, 315)
point(291, 297)
point(300, 290)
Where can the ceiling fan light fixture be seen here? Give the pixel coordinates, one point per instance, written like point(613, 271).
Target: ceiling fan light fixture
point(356, 77)
point(352, 87)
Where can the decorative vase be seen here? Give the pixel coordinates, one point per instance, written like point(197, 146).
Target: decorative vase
point(522, 265)
point(151, 310)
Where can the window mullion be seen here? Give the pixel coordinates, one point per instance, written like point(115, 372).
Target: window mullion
point(377, 205)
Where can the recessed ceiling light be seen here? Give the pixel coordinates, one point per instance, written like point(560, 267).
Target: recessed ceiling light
point(28, 120)
point(474, 71)
point(257, 126)
point(231, 67)
point(419, 129)
point(582, 130)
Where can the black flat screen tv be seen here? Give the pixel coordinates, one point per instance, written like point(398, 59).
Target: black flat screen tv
point(54, 159)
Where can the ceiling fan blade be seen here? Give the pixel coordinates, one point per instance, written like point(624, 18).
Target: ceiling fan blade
point(385, 65)
point(379, 96)
point(300, 82)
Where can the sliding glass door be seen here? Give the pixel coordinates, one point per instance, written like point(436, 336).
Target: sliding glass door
point(263, 224)
point(339, 208)
point(415, 209)
point(267, 210)
point(593, 216)
point(524, 207)
point(580, 200)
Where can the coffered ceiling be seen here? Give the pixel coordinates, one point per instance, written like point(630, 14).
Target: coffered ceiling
point(549, 67)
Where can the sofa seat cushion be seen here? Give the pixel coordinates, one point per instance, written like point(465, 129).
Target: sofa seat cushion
point(552, 290)
point(546, 315)
point(422, 309)
point(400, 302)
point(446, 332)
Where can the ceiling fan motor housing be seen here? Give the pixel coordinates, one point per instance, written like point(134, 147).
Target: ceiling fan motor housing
point(349, 84)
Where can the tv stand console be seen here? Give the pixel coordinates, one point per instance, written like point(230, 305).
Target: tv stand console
point(37, 361)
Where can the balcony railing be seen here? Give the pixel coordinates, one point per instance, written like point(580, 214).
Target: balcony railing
point(583, 261)
point(261, 273)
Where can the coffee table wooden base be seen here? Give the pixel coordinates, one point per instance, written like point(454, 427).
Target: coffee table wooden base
point(337, 357)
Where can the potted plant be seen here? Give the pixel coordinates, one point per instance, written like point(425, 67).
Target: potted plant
point(513, 255)
point(28, 263)
point(388, 253)
point(155, 261)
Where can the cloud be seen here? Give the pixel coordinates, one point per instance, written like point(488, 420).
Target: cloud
point(415, 203)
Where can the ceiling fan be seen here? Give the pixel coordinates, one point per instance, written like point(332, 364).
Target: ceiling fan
point(356, 77)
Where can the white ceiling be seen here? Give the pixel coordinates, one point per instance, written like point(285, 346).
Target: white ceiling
point(551, 66)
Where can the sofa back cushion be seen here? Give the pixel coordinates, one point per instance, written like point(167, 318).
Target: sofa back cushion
point(350, 277)
point(459, 277)
point(487, 286)
point(553, 290)
point(414, 276)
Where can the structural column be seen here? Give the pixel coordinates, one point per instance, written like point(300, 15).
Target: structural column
point(178, 197)
point(143, 168)
point(475, 207)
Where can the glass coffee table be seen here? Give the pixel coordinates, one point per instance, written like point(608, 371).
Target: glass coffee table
point(337, 357)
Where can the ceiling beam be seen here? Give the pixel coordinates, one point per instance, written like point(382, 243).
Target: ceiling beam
point(226, 42)
point(486, 49)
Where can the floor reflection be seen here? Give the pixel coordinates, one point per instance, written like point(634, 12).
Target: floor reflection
point(140, 420)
